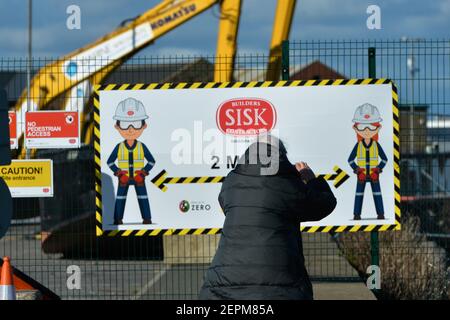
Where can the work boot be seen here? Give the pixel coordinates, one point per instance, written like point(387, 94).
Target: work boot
point(357, 218)
point(147, 221)
point(117, 222)
point(381, 216)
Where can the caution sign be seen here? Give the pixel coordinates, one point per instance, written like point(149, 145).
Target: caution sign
point(12, 116)
point(52, 129)
point(162, 151)
point(29, 178)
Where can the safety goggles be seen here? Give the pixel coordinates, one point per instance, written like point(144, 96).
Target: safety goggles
point(363, 126)
point(124, 125)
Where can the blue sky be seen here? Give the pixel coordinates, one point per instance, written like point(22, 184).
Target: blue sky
point(314, 19)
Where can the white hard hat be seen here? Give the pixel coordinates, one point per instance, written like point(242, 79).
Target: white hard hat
point(130, 110)
point(367, 113)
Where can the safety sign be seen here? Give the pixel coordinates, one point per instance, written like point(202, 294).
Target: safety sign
point(12, 116)
point(29, 178)
point(52, 129)
point(163, 150)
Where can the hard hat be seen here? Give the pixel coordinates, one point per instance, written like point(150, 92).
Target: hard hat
point(130, 110)
point(367, 113)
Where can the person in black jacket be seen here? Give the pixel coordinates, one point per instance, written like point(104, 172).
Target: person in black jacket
point(260, 254)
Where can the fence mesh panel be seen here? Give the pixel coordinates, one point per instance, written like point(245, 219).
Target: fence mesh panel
point(50, 234)
point(415, 258)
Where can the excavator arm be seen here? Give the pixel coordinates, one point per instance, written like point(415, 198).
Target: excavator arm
point(71, 77)
point(281, 28)
point(96, 61)
point(230, 12)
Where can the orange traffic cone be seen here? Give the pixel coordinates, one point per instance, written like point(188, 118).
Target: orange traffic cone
point(7, 290)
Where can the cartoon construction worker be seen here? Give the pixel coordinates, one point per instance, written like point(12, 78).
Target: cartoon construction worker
point(131, 154)
point(367, 153)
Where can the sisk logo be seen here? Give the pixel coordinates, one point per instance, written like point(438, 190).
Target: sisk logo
point(246, 116)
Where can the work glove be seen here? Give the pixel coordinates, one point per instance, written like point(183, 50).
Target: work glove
point(375, 174)
point(123, 176)
point(361, 174)
point(140, 176)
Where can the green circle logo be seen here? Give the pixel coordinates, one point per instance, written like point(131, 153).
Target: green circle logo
point(184, 206)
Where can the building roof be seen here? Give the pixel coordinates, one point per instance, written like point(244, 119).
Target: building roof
point(14, 82)
point(315, 70)
point(198, 70)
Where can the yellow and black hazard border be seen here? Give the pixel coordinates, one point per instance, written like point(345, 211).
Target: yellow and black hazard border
point(264, 84)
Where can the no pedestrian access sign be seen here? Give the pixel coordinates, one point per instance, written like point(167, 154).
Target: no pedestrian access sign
point(52, 129)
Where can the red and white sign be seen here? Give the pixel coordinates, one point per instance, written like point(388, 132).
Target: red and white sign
point(12, 129)
point(52, 129)
point(246, 116)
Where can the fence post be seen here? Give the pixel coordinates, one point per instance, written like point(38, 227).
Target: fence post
point(374, 243)
point(285, 60)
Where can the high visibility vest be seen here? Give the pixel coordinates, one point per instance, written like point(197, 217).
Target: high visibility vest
point(138, 157)
point(373, 155)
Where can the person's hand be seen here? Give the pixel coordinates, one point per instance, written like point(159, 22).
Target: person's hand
point(301, 165)
point(142, 173)
point(140, 176)
point(123, 176)
point(375, 174)
point(306, 173)
point(120, 173)
point(361, 174)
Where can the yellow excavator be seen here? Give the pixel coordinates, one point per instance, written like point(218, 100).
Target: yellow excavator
point(65, 83)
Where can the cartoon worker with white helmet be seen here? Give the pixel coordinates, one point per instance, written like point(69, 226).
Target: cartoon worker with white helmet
point(131, 156)
point(367, 158)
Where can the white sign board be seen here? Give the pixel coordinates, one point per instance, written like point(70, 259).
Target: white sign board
point(194, 132)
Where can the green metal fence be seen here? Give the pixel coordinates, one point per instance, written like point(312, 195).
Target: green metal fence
point(49, 235)
point(414, 261)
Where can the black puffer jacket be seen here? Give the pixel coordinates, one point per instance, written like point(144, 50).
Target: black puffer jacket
point(260, 254)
